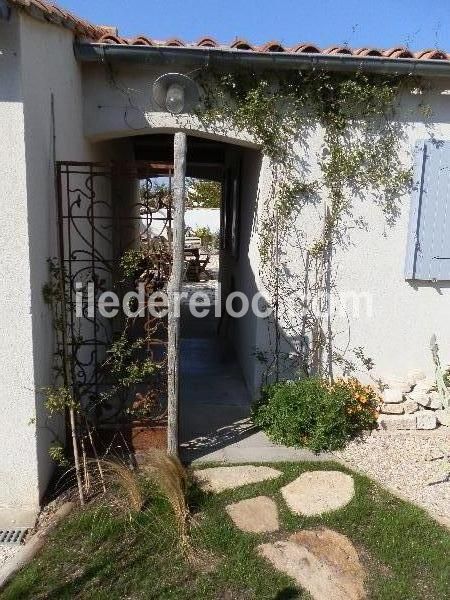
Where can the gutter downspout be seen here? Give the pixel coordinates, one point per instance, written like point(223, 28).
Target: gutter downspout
point(216, 57)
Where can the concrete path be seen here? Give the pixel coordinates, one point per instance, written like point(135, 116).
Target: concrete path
point(216, 406)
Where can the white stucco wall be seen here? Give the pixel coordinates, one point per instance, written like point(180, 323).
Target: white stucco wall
point(48, 67)
point(18, 451)
point(203, 217)
point(246, 329)
point(193, 217)
point(89, 102)
point(43, 65)
point(119, 102)
point(396, 334)
point(395, 318)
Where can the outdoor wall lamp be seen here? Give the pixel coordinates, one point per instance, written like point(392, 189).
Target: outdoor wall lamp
point(175, 93)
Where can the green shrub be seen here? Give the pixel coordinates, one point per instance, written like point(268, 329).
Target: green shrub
point(210, 240)
point(313, 414)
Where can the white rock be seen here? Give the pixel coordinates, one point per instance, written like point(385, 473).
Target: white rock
point(435, 402)
point(426, 420)
point(410, 407)
point(316, 492)
point(443, 416)
point(425, 384)
point(393, 409)
point(419, 396)
point(402, 384)
point(416, 375)
point(218, 479)
point(393, 422)
point(255, 515)
point(391, 396)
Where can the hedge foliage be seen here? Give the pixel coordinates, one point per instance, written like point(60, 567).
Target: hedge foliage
point(314, 414)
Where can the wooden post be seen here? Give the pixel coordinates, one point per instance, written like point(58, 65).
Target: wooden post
point(174, 290)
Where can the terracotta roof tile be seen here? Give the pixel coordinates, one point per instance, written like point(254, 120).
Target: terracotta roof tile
point(141, 40)
point(175, 42)
point(398, 52)
point(206, 42)
point(241, 44)
point(305, 48)
point(431, 54)
point(109, 35)
point(337, 50)
point(54, 14)
point(109, 38)
point(367, 52)
point(272, 47)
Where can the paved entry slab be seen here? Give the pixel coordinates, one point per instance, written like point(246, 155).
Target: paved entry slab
point(322, 561)
point(219, 479)
point(255, 515)
point(316, 492)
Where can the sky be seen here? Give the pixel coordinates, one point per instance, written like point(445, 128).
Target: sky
point(417, 24)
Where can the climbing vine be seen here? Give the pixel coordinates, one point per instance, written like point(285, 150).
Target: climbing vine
point(358, 159)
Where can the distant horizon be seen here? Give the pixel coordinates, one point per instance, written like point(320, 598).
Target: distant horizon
point(324, 23)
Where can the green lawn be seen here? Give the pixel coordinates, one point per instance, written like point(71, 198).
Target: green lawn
point(100, 556)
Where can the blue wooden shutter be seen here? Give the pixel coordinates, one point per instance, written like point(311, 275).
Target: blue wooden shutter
point(428, 250)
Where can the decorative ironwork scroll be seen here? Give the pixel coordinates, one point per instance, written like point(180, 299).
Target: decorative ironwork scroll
point(115, 236)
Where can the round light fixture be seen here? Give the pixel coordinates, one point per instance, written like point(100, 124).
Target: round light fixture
point(175, 93)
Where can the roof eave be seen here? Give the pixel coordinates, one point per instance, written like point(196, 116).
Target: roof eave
point(217, 57)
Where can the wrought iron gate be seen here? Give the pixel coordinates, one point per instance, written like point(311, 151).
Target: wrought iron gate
point(114, 236)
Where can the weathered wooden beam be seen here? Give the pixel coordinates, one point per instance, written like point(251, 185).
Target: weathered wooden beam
point(174, 290)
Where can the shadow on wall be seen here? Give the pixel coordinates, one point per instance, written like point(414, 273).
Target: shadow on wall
point(438, 286)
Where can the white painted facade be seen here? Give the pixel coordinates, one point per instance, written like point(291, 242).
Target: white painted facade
point(37, 61)
point(193, 218)
point(404, 316)
point(92, 113)
point(203, 217)
point(18, 446)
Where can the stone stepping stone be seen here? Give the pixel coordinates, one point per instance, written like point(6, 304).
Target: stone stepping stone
point(255, 515)
point(316, 492)
point(322, 561)
point(219, 479)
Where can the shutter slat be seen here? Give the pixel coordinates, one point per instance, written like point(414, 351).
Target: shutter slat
point(415, 210)
point(428, 250)
point(441, 249)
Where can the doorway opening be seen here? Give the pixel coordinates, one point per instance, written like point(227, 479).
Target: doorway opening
point(116, 232)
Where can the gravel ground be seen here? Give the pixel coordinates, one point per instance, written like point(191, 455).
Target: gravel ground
point(415, 464)
point(6, 552)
